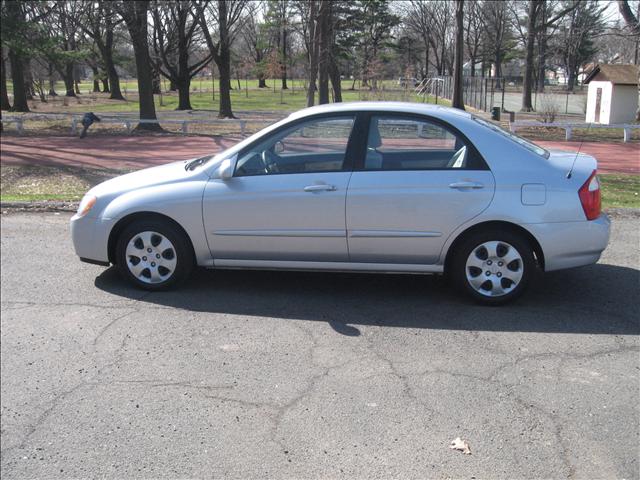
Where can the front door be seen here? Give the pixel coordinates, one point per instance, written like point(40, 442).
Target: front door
point(598, 104)
point(420, 180)
point(286, 200)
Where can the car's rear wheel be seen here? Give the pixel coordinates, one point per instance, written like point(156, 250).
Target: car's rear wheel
point(493, 267)
point(153, 254)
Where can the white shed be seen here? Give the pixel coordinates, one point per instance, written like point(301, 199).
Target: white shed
point(613, 94)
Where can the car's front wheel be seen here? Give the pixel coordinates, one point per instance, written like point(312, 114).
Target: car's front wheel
point(494, 267)
point(153, 254)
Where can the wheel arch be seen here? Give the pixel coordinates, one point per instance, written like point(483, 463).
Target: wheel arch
point(133, 217)
point(496, 224)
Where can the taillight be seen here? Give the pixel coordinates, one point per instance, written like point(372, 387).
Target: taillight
point(590, 197)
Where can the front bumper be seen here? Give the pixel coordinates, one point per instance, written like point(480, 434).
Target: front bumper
point(90, 238)
point(571, 244)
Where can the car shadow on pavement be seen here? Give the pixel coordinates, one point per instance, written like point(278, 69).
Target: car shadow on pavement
point(598, 299)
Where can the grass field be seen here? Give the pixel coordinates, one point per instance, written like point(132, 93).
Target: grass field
point(35, 183)
point(620, 190)
point(248, 97)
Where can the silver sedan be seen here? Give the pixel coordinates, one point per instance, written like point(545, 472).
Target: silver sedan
point(368, 187)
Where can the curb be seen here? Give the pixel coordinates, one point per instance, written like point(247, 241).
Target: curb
point(39, 206)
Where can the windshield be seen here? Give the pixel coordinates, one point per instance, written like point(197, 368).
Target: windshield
point(513, 137)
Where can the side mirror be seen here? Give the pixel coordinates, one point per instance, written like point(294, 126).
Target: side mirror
point(226, 168)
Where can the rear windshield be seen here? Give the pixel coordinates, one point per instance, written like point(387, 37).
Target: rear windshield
point(513, 137)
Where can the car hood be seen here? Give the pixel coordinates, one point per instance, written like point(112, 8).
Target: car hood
point(161, 175)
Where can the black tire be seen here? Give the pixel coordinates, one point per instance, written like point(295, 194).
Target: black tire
point(458, 266)
point(184, 259)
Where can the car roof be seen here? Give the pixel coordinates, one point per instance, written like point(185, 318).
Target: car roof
point(395, 107)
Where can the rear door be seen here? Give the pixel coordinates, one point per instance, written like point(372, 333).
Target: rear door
point(419, 180)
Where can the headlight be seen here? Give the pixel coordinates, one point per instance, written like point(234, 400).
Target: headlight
point(87, 203)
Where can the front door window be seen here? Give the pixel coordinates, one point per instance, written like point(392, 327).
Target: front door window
point(318, 145)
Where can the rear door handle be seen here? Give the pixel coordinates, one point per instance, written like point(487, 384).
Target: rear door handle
point(322, 187)
point(466, 185)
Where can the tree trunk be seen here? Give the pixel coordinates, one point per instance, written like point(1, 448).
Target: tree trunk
point(28, 79)
point(96, 80)
point(156, 82)
point(527, 83)
point(313, 53)
point(52, 81)
point(135, 16)
point(224, 68)
point(336, 82)
point(261, 81)
point(457, 100)
point(15, 14)
point(105, 85)
point(571, 81)
point(67, 76)
point(542, 49)
point(284, 59)
point(17, 77)
point(4, 97)
point(323, 67)
point(183, 95)
point(112, 74)
point(498, 72)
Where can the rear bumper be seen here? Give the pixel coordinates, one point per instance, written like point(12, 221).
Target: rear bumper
point(571, 244)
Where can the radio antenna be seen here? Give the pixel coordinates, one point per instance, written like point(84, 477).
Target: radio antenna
point(570, 172)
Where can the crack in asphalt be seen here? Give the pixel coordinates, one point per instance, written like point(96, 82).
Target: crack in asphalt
point(61, 397)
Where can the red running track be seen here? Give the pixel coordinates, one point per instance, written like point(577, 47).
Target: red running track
point(612, 157)
point(119, 152)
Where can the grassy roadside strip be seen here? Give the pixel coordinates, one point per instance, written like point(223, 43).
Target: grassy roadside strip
point(69, 184)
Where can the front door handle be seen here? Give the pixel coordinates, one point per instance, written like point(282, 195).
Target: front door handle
point(321, 187)
point(466, 185)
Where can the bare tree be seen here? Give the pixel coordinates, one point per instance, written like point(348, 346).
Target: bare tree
point(135, 13)
point(99, 21)
point(277, 21)
point(474, 29)
point(533, 27)
point(633, 23)
point(226, 15)
point(575, 38)
point(417, 18)
point(313, 47)
point(324, 51)
point(499, 36)
point(257, 42)
point(175, 36)
point(4, 97)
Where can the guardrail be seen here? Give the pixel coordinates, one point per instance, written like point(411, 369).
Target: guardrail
point(568, 127)
point(128, 123)
point(18, 121)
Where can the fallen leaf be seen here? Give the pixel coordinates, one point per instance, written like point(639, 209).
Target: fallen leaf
point(462, 445)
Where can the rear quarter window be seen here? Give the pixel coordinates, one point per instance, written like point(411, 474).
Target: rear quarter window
point(532, 147)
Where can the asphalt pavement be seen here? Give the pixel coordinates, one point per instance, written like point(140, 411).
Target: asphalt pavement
point(313, 375)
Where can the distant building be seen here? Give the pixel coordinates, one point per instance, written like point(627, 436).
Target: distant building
point(613, 94)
